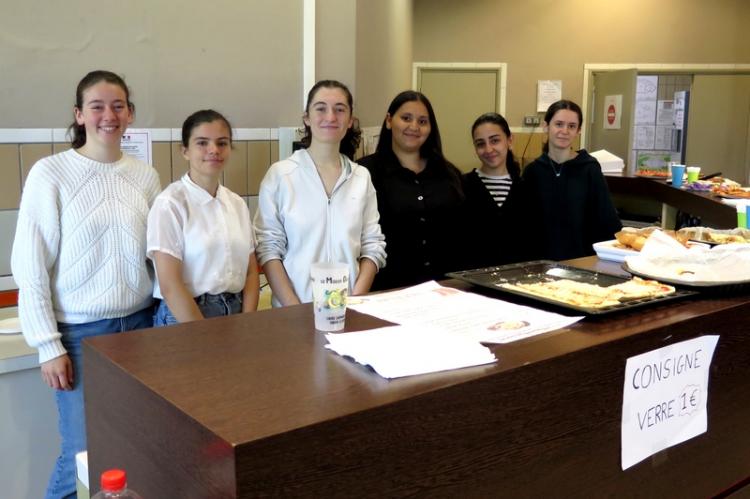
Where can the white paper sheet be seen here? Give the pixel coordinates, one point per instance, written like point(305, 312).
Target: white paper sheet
point(548, 92)
point(137, 143)
point(665, 113)
point(467, 314)
point(397, 351)
point(664, 397)
point(644, 137)
point(647, 88)
point(663, 138)
point(645, 112)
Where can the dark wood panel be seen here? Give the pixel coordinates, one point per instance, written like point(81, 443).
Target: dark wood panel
point(253, 405)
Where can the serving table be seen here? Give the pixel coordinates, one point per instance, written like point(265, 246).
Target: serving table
point(708, 207)
point(253, 405)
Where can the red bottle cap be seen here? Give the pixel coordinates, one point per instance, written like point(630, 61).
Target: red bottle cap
point(113, 480)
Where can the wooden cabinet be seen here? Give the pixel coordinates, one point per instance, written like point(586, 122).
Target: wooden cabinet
point(253, 405)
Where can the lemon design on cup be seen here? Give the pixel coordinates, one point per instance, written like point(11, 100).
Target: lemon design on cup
point(335, 298)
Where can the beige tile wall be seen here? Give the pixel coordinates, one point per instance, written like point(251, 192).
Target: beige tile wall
point(236, 170)
point(247, 165)
point(162, 158)
point(10, 173)
point(30, 154)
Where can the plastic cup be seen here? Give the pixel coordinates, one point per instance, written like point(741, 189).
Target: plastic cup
point(677, 173)
point(693, 172)
point(742, 215)
point(330, 284)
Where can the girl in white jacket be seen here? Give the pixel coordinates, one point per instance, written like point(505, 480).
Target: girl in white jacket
point(318, 205)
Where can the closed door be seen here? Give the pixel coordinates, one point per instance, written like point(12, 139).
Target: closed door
point(718, 125)
point(458, 97)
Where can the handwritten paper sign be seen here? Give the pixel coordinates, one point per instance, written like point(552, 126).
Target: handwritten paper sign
point(664, 398)
point(137, 143)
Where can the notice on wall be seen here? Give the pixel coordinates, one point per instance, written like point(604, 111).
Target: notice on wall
point(647, 88)
point(612, 112)
point(644, 137)
point(137, 143)
point(645, 112)
point(665, 113)
point(663, 138)
point(547, 93)
point(664, 397)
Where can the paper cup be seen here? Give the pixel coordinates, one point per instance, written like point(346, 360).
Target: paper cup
point(692, 173)
point(742, 215)
point(330, 284)
point(677, 173)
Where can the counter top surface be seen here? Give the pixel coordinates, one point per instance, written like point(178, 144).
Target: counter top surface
point(15, 354)
point(253, 405)
point(279, 382)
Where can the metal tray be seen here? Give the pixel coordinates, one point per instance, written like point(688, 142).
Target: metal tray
point(702, 286)
point(535, 271)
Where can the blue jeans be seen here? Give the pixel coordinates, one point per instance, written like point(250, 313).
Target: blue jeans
point(210, 306)
point(72, 421)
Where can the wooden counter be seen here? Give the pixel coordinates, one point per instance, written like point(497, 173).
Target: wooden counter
point(708, 207)
point(253, 405)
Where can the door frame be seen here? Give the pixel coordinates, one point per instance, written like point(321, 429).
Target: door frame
point(501, 68)
point(651, 68)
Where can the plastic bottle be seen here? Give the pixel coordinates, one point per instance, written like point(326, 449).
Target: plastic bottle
point(114, 485)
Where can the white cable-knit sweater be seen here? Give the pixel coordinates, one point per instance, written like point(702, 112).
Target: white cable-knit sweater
point(79, 254)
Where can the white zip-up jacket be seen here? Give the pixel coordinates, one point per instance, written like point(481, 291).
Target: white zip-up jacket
point(297, 223)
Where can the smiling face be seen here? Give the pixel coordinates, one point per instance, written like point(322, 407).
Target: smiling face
point(562, 129)
point(104, 114)
point(491, 145)
point(410, 125)
point(329, 115)
point(208, 149)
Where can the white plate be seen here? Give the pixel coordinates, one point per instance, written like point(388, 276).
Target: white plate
point(606, 250)
point(10, 326)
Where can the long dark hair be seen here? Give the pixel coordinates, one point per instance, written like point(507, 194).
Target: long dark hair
point(432, 149)
point(350, 142)
point(514, 169)
point(200, 117)
point(559, 106)
point(78, 132)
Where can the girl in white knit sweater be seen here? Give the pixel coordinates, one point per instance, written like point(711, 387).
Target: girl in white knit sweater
point(79, 255)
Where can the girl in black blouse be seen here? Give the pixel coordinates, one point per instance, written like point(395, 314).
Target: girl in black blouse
point(419, 195)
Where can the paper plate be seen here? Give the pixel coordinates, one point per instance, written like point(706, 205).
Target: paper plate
point(10, 326)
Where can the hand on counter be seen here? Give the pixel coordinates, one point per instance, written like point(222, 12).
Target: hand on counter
point(58, 373)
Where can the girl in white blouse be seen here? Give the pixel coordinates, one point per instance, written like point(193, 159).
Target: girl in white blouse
point(199, 233)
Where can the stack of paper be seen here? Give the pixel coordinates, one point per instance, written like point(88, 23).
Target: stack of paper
point(608, 161)
point(397, 351)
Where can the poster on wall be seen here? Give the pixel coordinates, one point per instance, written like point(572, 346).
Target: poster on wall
point(137, 143)
point(547, 93)
point(664, 398)
point(665, 113)
point(612, 112)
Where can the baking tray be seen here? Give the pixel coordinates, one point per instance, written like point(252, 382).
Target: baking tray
point(698, 286)
point(540, 270)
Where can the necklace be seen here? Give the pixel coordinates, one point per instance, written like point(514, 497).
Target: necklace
point(557, 170)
